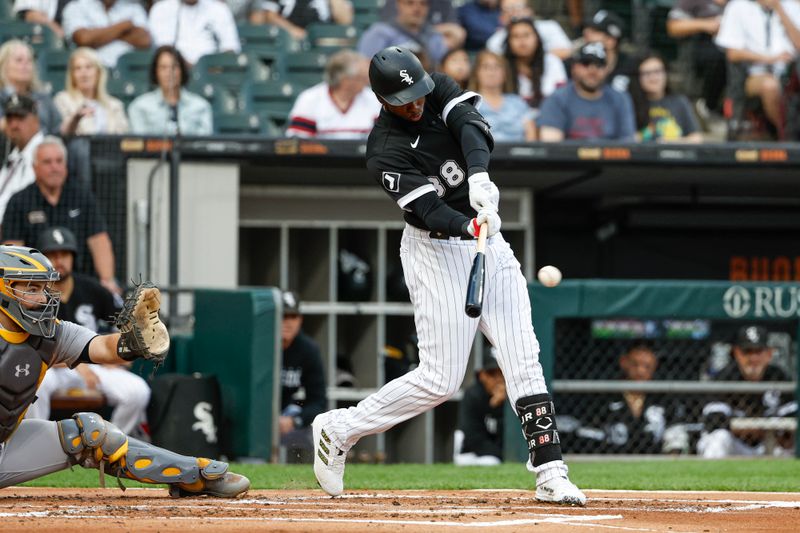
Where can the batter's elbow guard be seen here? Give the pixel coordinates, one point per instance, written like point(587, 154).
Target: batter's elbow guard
point(538, 419)
point(464, 113)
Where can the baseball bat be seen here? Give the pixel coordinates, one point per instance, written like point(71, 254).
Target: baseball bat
point(474, 302)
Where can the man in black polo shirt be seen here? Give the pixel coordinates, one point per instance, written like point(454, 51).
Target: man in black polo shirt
point(52, 200)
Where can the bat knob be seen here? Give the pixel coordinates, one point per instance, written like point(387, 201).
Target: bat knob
point(473, 311)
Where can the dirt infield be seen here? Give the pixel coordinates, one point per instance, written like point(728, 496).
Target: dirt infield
point(90, 510)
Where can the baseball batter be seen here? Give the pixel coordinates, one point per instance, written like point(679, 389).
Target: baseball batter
point(429, 151)
point(32, 340)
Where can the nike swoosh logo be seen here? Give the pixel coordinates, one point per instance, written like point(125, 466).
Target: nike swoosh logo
point(415, 143)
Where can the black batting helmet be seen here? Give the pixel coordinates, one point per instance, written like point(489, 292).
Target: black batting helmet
point(397, 76)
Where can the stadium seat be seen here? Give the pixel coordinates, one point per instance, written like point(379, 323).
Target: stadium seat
point(305, 68)
point(226, 69)
point(222, 100)
point(245, 124)
point(53, 66)
point(266, 37)
point(6, 10)
point(134, 65)
point(125, 90)
point(39, 36)
point(331, 37)
point(362, 21)
point(366, 12)
point(266, 64)
point(273, 99)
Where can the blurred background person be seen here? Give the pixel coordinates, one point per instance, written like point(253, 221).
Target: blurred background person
point(21, 128)
point(53, 200)
point(762, 36)
point(478, 441)
point(510, 117)
point(303, 393)
point(194, 27)
point(86, 302)
point(47, 12)
point(18, 75)
point(409, 29)
point(587, 108)
point(696, 22)
point(442, 16)
point(535, 74)
point(294, 16)
point(84, 104)
point(456, 64)
point(552, 35)
point(170, 109)
point(341, 107)
point(607, 27)
point(112, 27)
point(480, 18)
point(752, 357)
point(660, 115)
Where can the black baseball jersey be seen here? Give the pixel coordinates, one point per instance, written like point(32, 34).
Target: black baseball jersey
point(481, 423)
point(768, 403)
point(302, 367)
point(91, 305)
point(412, 159)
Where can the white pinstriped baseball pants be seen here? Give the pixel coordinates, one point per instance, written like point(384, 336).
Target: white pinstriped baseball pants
point(436, 273)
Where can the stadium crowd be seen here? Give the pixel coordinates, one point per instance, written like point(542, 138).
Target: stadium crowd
point(253, 66)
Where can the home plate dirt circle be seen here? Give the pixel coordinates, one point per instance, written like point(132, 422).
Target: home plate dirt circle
point(90, 510)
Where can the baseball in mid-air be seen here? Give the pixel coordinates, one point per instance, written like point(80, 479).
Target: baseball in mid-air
point(549, 276)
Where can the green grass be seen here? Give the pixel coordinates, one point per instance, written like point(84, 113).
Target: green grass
point(677, 474)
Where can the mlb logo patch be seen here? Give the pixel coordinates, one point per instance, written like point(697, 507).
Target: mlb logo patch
point(391, 181)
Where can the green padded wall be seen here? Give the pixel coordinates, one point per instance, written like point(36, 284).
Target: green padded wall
point(236, 338)
point(646, 299)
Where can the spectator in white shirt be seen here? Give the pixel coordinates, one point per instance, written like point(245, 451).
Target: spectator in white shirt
point(342, 107)
point(295, 15)
point(554, 39)
point(765, 34)
point(21, 127)
point(195, 27)
point(47, 12)
point(112, 27)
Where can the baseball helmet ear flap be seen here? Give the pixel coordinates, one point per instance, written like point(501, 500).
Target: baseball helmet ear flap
point(398, 77)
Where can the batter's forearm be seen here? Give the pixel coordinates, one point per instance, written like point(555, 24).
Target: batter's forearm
point(475, 148)
point(440, 217)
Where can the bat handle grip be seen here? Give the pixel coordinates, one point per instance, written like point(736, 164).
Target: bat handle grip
point(484, 232)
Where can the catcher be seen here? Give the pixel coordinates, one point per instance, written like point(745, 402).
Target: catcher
point(31, 340)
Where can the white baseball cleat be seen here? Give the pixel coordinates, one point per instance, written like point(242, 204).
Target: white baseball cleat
point(560, 490)
point(328, 459)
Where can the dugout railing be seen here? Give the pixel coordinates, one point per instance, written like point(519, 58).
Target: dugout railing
point(584, 325)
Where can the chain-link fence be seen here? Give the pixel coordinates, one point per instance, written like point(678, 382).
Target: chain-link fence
point(676, 386)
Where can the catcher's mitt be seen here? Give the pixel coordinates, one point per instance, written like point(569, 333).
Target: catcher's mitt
point(143, 335)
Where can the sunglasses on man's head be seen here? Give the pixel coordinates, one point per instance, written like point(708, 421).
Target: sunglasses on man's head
point(589, 62)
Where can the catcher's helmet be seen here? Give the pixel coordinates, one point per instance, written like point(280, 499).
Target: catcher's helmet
point(397, 76)
point(20, 265)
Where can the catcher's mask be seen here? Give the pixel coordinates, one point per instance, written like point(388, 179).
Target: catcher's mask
point(26, 289)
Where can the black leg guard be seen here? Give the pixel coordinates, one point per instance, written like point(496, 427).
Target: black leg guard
point(537, 416)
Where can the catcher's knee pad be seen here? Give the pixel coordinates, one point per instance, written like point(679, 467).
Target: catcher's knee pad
point(90, 440)
point(537, 416)
point(95, 443)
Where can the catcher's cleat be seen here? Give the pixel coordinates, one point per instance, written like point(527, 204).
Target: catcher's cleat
point(560, 490)
point(328, 460)
point(228, 486)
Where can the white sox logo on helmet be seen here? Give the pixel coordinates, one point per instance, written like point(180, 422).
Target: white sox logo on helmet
point(404, 76)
